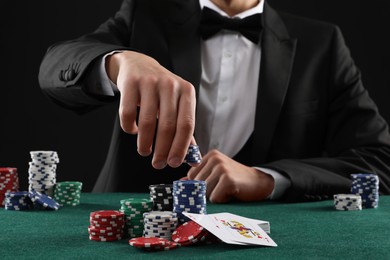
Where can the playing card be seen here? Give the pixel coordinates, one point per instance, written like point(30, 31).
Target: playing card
point(234, 229)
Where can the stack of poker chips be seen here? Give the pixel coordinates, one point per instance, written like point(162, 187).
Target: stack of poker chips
point(193, 155)
point(189, 196)
point(161, 195)
point(18, 200)
point(153, 243)
point(347, 202)
point(9, 182)
point(42, 201)
point(68, 193)
point(191, 233)
point(160, 224)
point(25, 200)
point(367, 186)
point(106, 225)
point(42, 171)
point(133, 210)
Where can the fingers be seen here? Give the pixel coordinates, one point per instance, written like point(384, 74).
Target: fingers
point(184, 126)
point(168, 96)
point(128, 109)
point(158, 93)
point(147, 120)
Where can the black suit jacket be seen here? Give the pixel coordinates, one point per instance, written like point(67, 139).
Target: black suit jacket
point(315, 122)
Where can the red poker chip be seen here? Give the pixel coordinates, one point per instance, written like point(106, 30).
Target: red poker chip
point(148, 242)
point(106, 226)
point(8, 170)
point(171, 245)
point(105, 239)
point(104, 230)
point(189, 233)
point(107, 223)
point(107, 214)
point(107, 234)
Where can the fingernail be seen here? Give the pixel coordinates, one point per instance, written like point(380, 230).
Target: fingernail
point(175, 162)
point(160, 165)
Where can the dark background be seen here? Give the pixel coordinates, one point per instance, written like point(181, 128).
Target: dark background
point(29, 121)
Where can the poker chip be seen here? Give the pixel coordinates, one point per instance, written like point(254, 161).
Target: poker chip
point(68, 193)
point(159, 224)
point(189, 233)
point(106, 215)
point(42, 201)
point(42, 172)
point(367, 187)
point(152, 243)
point(106, 225)
point(133, 210)
point(105, 239)
point(9, 182)
point(193, 155)
point(162, 197)
point(347, 202)
point(18, 201)
point(189, 196)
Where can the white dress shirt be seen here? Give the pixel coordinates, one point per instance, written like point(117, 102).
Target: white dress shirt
point(226, 105)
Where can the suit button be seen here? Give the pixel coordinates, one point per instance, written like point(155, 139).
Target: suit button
point(71, 74)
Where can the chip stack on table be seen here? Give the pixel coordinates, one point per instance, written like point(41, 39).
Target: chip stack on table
point(9, 182)
point(133, 209)
point(367, 186)
point(106, 225)
point(18, 200)
point(42, 171)
point(160, 224)
point(347, 202)
point(43, 201)
point(189, 196)
point(161, 195)
point(193, 155)
point(68, 193)
point(191, 233)
point(153, 243)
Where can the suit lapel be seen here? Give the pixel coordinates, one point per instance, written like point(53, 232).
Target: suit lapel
point(278, 51)
point(183, 19)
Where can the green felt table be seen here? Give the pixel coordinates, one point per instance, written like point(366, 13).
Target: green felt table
point(312, 230)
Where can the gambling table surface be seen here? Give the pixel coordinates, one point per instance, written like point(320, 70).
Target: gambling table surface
point(311, 230)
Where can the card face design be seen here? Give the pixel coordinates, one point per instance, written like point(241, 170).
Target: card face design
point(241, 229)
point(235, 229)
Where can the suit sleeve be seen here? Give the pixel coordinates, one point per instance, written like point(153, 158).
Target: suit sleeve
point(63, 71)
point(357, 139)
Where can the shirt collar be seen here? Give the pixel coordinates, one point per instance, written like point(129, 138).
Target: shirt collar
point(254, 10)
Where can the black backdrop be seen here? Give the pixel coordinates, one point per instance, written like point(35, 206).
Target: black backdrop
point(29, 121)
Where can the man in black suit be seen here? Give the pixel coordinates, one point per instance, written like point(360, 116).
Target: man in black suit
point(279, 106)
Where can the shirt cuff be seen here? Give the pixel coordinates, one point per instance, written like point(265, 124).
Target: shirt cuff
point(106, 81)
point(98, 81)
point(282, 183)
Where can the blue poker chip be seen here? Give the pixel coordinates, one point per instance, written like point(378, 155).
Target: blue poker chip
point(189, 196)
point(17, 201)
point(367, 186)
point(188, 182)
point(193, 155)
point(43, 201)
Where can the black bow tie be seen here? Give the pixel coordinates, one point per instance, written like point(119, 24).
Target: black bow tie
point(212, 22)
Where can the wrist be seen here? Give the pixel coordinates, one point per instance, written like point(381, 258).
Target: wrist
point(112, 66)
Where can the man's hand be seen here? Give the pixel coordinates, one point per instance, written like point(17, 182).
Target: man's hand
point(227, 179)
point(144, 83)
